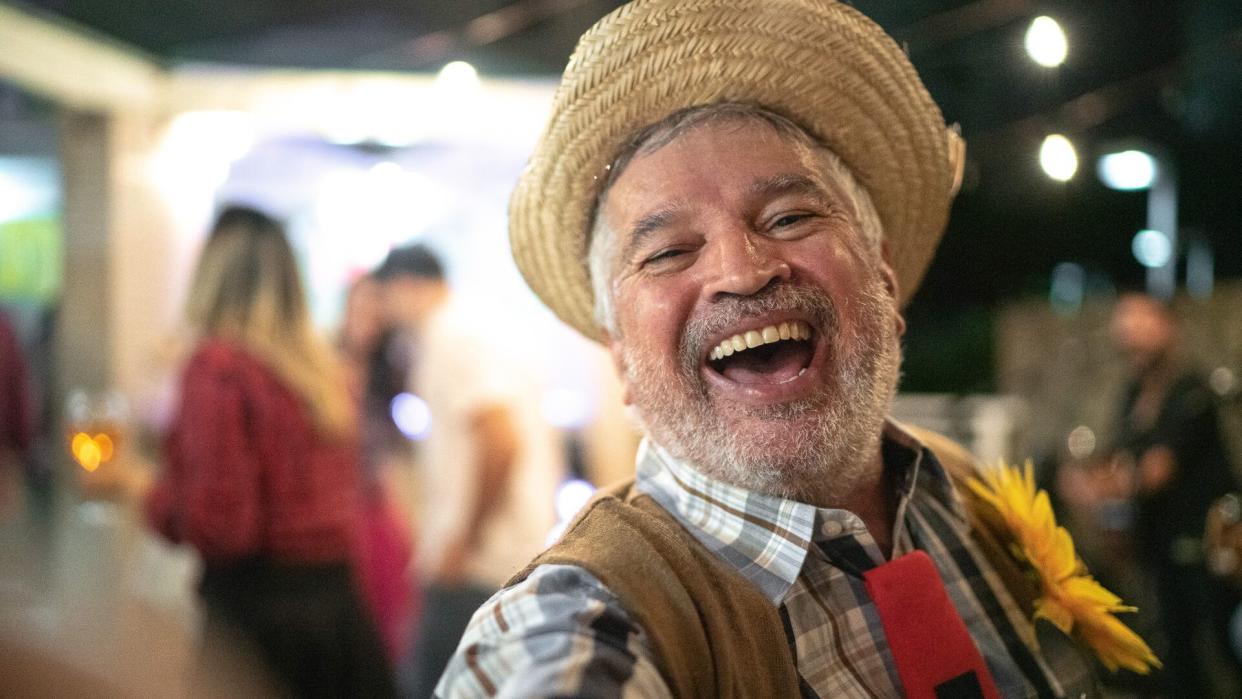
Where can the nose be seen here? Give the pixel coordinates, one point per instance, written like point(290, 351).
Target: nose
point(745, 264)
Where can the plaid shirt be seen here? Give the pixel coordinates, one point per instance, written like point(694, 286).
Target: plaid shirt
point(561, 632)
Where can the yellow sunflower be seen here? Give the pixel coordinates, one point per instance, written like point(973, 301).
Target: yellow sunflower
point(1071, 599)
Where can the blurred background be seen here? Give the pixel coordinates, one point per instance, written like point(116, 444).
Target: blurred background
point(1103, 149)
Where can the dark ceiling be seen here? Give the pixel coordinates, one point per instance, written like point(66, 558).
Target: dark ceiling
point(1166, 73)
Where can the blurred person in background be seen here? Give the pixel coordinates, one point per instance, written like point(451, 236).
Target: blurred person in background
point(488, 465)
point(16, 418)
point(377, 370)
point(377, 367)
point(1169, 439)
point(262, 475)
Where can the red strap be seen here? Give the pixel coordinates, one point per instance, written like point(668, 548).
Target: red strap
point(935, 656)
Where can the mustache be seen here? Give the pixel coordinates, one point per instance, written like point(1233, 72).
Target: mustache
point(816, 306)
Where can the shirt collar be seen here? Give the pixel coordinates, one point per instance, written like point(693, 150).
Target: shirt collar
point(765, 537)
point(926, 474)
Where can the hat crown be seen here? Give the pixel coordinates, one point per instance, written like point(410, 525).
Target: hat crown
point(820, 63)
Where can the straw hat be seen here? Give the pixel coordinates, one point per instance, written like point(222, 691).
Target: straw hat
point(818, 62)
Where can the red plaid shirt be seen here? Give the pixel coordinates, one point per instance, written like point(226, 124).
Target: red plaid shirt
point(248, 473)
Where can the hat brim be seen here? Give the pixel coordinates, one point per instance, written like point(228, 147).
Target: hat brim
point(820, 63)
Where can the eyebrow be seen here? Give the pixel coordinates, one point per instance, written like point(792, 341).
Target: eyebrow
point(790, 183)
point(645, 226)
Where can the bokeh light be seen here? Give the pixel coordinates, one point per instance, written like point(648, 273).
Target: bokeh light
point(86, 452)
point(1223, 380)
point(1127, 170)
point(1046, 43)
point(571, 496)
point(458, 77)
point(1081, 442)
point(104, 443)
point(1152, 248)
point(1058, 157)
point(90, 451)
point(412, 416)
point(1069, 283)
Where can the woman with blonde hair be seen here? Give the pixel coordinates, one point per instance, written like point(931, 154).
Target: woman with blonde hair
point(262, 474)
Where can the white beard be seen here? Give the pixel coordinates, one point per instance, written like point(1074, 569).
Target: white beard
point(822, 447)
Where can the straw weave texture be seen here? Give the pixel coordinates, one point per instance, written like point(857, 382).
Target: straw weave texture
point(817, 62)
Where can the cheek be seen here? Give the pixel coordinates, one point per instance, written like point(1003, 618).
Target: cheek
point(651, 318)
point(831, 265)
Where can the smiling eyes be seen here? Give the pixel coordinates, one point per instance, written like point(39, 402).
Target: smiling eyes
point(789, 220)
point(664, 255)
point(783, 227)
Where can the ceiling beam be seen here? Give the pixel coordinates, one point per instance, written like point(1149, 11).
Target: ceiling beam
point(74, 67)
point(485, 29)
point(961, 22)
point(1092, 108)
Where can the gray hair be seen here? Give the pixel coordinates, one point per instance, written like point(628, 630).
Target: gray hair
point(656, 136)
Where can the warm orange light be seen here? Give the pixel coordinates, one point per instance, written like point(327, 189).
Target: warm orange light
point(104, 442)
point(88, 455)
point(90, 451)
point(79, 440)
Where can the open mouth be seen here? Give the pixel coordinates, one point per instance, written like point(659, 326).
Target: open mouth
point(773, 354)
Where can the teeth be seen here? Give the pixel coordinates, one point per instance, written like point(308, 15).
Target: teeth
point(792, 330)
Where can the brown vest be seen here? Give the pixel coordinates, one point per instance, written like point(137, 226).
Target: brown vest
point(713, 633)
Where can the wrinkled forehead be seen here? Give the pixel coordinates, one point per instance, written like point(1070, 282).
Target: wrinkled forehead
point(794, 157)
point(725, 118)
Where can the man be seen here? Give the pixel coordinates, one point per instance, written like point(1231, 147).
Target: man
point(488, 468)
point(1169, 436)
point(736, 198)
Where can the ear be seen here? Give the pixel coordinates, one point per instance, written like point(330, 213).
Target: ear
point(891, 285)
point(618, 363)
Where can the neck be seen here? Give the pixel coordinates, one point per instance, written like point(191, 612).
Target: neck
point(870, 498)
point(873, 502)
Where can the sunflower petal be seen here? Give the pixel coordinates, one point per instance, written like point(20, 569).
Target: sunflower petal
point(1061, 617)
point(1070, 598)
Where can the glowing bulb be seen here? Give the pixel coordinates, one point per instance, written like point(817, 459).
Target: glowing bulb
point(1046, 43)
point(1058, 158)
point(79, 440)
point(1127, 170)
point(1152, 248)
point(1081, 442)
point(89, 456)
point(412, 415)
point(458, 76)
point(571, 496)
point(104, 442)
